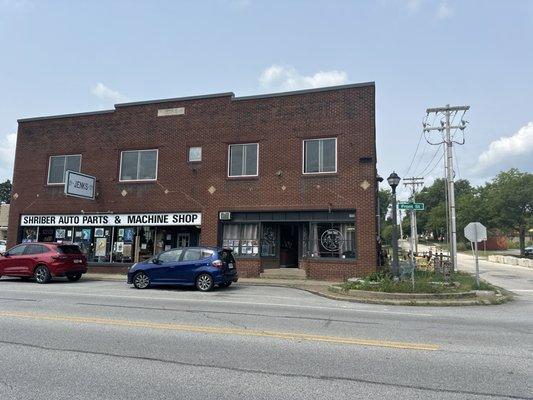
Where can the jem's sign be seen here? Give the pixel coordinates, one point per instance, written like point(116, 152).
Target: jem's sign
point(112, 219)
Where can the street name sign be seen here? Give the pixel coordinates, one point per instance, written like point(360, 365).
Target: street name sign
point(80, 185)
point(411, 206)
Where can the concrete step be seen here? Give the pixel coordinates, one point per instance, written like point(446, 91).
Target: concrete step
point(284, 273)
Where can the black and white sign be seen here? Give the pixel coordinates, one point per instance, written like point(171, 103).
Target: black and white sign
point(80, 185)
point(154, 219)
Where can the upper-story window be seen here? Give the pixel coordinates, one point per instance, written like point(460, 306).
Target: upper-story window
point(195, 154)
point(58, 165)
point(320, 156)
point(138, 165)
point(243, 159)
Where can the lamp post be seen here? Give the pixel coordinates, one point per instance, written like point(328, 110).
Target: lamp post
point(393, 181)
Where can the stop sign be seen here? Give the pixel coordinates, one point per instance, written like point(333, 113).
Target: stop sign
point(476, 232)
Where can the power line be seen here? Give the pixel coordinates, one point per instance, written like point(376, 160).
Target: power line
point(414, 155)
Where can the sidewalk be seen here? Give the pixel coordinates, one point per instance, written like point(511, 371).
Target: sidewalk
point(316, 287)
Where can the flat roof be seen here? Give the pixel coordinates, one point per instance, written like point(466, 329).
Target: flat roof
point(206, 96)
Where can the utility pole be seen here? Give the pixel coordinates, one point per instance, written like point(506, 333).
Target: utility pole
point(414, 183)
point(446, 126)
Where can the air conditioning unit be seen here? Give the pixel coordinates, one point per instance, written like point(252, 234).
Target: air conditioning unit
point(225, 215)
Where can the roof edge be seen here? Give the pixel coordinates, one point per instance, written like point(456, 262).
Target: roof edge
point(305, 91)
point(65, 115)
point(157, 101)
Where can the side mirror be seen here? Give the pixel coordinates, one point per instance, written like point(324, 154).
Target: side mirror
point(5, 254)
point(156, 261)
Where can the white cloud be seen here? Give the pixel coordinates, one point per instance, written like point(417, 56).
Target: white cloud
point(509, 151)
point(444, 11)
point(279, 77)
point(412, 5)
point(8, 144)
point(103, 92)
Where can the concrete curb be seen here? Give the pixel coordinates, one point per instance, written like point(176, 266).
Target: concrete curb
point(471, 298)
point(322, 289)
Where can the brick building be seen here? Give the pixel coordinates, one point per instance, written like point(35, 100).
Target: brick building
point(286, 179)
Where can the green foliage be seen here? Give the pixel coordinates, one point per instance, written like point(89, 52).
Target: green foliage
point(5, 191)
point(424, 283)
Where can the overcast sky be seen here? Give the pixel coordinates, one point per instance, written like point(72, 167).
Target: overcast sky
point(59, 57)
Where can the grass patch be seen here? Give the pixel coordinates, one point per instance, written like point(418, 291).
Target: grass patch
point(424, 283)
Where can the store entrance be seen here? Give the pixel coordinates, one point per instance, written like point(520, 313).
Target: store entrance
point(288, 245)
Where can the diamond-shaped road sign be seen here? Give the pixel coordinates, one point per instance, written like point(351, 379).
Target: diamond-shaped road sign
point(476, 232)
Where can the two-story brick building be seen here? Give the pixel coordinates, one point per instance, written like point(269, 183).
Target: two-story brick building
point(286, 179)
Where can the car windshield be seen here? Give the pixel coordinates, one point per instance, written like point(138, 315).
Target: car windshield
point(70, 249)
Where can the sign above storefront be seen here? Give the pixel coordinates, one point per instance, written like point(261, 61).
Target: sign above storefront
point(159, 219)
point(80, 185)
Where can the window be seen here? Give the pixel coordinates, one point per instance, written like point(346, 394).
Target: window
point(243, 159)
point(320, 156)
point(35, 249)
point(17, 251)
point(170, 256)
point(192, 255)
point(195, 154)
point(243, 239)
point(69, 249)
point(59, 164)
point(330, 240)
point(138, 165)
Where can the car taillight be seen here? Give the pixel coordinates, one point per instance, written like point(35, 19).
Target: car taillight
point(218, 264)
point(59, 257)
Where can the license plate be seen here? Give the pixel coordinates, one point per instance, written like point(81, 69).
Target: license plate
point(77, 261)
point(230, 265)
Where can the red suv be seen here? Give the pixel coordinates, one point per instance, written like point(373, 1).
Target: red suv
point(42, 261)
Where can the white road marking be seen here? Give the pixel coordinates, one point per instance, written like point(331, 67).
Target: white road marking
point(218, 301)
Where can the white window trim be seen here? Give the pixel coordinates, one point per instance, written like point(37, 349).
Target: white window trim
point(138, 158)
point(244, 162)
point(48, 183)
point(201, 154)
point(303, 157)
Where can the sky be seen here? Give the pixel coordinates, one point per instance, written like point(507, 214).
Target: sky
point(59, 57)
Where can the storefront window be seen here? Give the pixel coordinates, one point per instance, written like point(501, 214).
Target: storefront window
point(243, 239)
point(330, 240)
point(269, 240)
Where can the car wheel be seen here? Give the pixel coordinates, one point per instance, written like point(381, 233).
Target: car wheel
point(42, 275)
point(74, 277)
point(141, 280)
point(204, 282)
point(225, 285)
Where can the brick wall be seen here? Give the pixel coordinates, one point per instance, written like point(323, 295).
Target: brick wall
point(277, 123)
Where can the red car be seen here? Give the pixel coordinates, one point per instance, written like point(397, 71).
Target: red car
point(42, 261)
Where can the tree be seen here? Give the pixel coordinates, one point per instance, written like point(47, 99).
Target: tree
point(5, 191)
point(384, 198)
point(510, 202)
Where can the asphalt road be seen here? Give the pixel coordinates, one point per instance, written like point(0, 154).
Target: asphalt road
point(104, 340)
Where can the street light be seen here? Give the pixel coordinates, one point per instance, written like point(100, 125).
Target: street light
point(394, 180)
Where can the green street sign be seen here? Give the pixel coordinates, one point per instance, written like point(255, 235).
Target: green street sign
point(411, 206)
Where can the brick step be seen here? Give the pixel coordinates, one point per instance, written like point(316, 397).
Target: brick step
point(284, 273)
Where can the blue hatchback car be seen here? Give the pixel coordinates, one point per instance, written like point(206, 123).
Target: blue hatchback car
point(203, 267)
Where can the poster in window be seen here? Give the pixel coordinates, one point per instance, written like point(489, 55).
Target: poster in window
point(77, 234)
point(61, 233)
point(128, 235)
point(120, 247)
point(126, 250)
point(98, 232)
point(121, 232)
point(101, 245)
point(86, 234)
